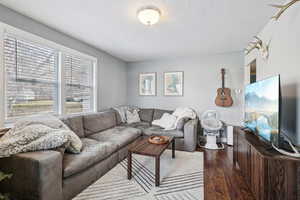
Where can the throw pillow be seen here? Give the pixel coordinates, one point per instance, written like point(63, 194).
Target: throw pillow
point(132, 116)
point(166, 121)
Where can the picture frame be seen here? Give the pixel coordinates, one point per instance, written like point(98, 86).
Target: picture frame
point(147, 84)
point(173, 83)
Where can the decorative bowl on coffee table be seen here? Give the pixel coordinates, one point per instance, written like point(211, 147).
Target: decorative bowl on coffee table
point(158, 139)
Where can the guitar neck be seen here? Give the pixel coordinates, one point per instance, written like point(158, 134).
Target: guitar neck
point(223, 78)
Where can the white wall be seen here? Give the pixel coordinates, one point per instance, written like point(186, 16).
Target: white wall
point(111, 70)
point(284, 59)
point(202, 77)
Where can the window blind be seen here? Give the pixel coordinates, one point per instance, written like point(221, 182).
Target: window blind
point(79, 84)
point(31, 78)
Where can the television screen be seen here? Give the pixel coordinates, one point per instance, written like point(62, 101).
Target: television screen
point(262, 105)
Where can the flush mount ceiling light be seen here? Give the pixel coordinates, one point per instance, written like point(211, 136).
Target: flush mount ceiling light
point(148, 15)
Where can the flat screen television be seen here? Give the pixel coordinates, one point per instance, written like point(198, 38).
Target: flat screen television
point(262, 109)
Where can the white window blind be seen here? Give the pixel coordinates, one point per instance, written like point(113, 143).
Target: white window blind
point(79, 84)
point(43, 77)
point(31, 78)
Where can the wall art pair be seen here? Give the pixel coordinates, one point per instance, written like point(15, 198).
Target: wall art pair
point(173, 83)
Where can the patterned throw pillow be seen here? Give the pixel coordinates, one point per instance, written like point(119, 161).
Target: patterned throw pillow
point(132, 116)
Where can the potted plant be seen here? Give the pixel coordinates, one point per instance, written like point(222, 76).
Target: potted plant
point(2, 177)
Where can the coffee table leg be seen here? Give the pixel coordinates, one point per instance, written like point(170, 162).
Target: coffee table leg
point(157, 170)
point(129, 165)
point(173, 148)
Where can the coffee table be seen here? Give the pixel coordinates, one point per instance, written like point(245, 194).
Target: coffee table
point(141, 146)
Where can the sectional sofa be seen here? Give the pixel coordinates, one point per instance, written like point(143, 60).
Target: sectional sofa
point(55, 174)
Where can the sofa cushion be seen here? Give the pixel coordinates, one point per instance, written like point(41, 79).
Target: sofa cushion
point(93, 152)
point(146, 115)
point(75, 123)
point(156, 130)
point(119, 135)
point(94, 123)
point(159, 113)
point(138, 125)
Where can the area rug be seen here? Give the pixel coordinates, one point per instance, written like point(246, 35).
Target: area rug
point(181, 179)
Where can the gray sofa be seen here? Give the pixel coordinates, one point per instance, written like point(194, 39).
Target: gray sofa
point(54, 174)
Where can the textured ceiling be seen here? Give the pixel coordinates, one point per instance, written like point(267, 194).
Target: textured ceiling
point(187, 27)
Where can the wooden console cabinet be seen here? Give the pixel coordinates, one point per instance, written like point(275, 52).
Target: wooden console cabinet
point(269, 174)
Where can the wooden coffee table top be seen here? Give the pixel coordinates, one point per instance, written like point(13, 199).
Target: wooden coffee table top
point(143, 147)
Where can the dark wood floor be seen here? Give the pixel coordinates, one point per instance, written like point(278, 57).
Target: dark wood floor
point(222, 180)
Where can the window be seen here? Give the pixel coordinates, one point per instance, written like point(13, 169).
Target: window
point(43, 77)
point(31, 78)
point(79, 84)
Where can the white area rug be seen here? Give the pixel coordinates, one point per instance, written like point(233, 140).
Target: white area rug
point(181, 179)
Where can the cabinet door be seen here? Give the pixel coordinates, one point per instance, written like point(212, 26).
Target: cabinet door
point(257, 175)
point(243, 158)
point(282, 180)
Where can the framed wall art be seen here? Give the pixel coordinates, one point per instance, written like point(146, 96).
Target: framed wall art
point(147, 84)
point(173, 83)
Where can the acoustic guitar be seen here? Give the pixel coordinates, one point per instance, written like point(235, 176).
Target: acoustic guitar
point(223, 98)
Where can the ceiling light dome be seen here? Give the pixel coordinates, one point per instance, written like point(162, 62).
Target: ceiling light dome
point(148, 15)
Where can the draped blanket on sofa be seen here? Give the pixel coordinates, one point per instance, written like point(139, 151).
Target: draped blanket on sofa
point(38, 133)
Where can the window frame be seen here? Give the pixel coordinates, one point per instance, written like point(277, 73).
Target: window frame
point(61, 51)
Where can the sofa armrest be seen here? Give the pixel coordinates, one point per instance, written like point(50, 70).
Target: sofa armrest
point(36, 175)
point(190, 134)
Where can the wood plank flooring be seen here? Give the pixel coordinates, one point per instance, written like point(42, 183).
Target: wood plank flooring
point(222, 180)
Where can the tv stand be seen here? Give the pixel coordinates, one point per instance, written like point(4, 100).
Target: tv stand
point(269, 174)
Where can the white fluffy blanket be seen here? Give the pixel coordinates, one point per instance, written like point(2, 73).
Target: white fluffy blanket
point(38, 133)
point(169, 122)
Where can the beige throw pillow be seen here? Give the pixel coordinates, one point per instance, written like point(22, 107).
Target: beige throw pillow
point(132, 116)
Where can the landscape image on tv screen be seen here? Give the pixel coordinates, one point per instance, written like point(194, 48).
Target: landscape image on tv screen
point(262, 108)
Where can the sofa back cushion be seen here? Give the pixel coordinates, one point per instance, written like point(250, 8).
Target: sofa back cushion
point(94, 123)
point(159, 113)
point(146, 115)
point(75, 123)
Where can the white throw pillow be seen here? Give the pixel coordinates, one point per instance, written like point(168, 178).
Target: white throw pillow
point(166, 121)
point(132, 117)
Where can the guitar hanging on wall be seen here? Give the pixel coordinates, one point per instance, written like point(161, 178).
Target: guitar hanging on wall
point(223, 98)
